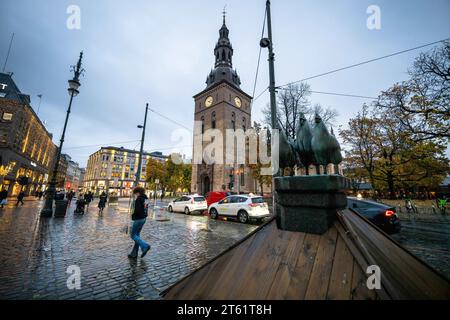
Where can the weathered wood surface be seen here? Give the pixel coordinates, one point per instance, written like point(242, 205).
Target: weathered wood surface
point(403, 276)
point(276, 264)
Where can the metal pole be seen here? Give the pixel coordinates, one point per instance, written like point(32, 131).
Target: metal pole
point(272, 90)
point(273, 103)
point(47, 211)
point(139, 168)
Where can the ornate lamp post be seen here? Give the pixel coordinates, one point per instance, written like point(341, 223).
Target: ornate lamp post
point(74, 84)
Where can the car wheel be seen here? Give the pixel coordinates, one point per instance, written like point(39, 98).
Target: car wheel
point(170, 209)
point(186, 211)
point(243, 216)
point(213, 213)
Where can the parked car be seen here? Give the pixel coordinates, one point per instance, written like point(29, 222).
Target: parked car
point(243, 207)
point(188, 204)
point(380, 214)
point(215, 196)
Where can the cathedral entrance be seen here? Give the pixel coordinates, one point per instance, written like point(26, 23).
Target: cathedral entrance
point(206, 185)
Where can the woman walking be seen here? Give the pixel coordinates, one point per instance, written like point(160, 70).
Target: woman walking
point(139, 217)
point(102, 203)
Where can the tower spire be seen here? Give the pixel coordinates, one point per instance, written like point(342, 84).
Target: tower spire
point(223, 52)
point(224, 13)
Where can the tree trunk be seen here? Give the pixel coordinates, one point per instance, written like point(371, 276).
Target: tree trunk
point(390, 182)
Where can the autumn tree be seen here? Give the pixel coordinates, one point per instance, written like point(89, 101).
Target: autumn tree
point(291, 102)
point(361, 137)
point(156, 170)
point(391, 159)
point(256, 169)
point(172, 174)
point(422, 103)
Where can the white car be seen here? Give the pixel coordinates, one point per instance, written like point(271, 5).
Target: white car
point(244, 207)
point(188, 204)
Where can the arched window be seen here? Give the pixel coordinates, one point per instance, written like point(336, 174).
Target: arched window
point(203, 124)
point(223, 55)
point(243, 124)
point(233, 121)
point(213, 120)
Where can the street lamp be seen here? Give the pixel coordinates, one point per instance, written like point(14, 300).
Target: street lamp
point(141, 151)
point(74, 84)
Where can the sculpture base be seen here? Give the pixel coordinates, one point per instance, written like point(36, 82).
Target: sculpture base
point(309, 203)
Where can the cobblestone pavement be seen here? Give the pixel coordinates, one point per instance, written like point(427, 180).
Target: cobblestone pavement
point(429, 241)
point(35, 252)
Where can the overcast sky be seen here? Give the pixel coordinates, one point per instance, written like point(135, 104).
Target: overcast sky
point(161, 51)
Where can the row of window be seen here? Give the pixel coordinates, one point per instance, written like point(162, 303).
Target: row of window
point(213, 122)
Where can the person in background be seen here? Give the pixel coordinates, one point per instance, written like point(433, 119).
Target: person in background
point(139, 218)
point(88, 198)
point(20, 197)
point(70, 195)
point(3, 198)
point(102, 202)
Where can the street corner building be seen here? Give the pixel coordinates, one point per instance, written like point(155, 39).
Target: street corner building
point(222, 105)
point(26, 147)
point(114, 169)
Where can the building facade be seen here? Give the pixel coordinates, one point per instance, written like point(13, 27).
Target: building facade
point(113, 170)
point(25, 144)
point(222, 105)
point(73, 175)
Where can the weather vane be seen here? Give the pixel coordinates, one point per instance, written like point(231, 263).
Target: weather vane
point(224, 12)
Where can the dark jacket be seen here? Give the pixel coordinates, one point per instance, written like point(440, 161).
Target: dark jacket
point(140, 211)
point(102, 201)
point(3, 194)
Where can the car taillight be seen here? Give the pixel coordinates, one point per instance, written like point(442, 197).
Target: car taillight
point(253, 205)
point(389, 213)
point(192, 201)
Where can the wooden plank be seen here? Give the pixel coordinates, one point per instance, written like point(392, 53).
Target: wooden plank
point(341, 273)
point(303, 267)
point(237, 244)
point(359, 290)
point(403, 275)
point(262, 273)
point(360, 259)
point(237, 271)
point(287, 268)
point(320, 274)
point(204, 289)
point(244, 281)
point(183, 289)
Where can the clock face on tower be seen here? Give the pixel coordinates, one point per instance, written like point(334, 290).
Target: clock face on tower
point(209, 101)
point(237, 102)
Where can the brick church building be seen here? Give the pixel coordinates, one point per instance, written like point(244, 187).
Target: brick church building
point(222, 105)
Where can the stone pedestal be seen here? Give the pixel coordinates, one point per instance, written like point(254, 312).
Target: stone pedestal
point(309, 203)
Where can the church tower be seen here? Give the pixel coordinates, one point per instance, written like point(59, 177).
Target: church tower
point(222, 105)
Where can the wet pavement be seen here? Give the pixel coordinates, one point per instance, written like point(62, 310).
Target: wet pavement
point(429, 240)
point(36, 252)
